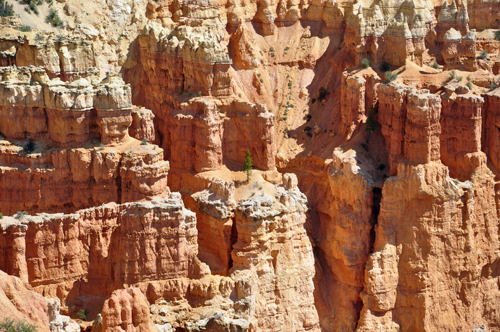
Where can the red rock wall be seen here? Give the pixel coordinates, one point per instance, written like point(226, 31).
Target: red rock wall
point(95, 251)
point(461, 123)
point(68, 180)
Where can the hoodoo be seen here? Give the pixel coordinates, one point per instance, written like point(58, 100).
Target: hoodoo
point(249, 166)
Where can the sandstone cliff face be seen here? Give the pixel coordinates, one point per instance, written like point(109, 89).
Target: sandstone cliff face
point(19, 301)
point(70, 127)
point(450, 241)
point(284, 264)
point(83, 257)
point(127, 310)
point(399, 231)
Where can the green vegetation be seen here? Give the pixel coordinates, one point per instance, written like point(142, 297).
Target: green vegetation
point(435, 65)
point(469, 85)
point(144, 141)
point(101, 146)
point(82, 314)
point(493, 86)
point(54, 19)
point(60, 38)
point(247, 166)
point(6, 9)
point(453, 75)
point(1, 215)
point(11, 325)
point(25, 28)
point(497, 35)
point(39, 37)
point(199, 93)
point(19, 215)
point(365, 62)
point(30, 147)
point(390, 76)
point(483, 54)
point(370, 121)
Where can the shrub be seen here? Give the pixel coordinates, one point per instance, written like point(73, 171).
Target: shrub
point(144, 141)
point(271, 49)
point(453, 75)
point(199, 93)
point(25, 28)
point(1, 215)
point(30, 147)
point(365, 62)
point(483, 54)
point(493, 86)
point(39, 37)
point(6, 9)
point(34, 8)
point(322, 92)
point(261, 80)
point(435, 65)
point(390, 76)
point(10, 325)
point(60, 38)
point(53, 18)
point(497, 35)
point(101, 146)
point(459, 78)
point(469, 85)
point(384, 66)
point(27, 9)
point(370, 121)
point(468, 78)
point(247, 166)
point(82, 314)
point(20, 214)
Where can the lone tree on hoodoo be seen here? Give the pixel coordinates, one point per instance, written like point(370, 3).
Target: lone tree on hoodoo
point(247, 166)
point(370, 121)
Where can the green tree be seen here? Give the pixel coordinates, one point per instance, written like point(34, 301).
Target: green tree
point(247, 166)
point(6, 9)
point(370, 121)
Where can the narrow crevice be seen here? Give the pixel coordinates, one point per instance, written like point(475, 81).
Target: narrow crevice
point(234, 239)
point(377, 198)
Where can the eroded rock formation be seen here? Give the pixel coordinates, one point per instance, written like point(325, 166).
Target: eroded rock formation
point(382, 111)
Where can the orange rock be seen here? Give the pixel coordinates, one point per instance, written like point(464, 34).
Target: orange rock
point(18, 301)
point(127, 310)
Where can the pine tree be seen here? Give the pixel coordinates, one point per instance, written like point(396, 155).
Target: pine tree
point(247, 166)
point(370, 121)
point(6, 9)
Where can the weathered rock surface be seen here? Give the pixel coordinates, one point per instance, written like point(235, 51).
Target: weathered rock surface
point(127, 310)
point(19, 301)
